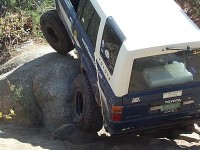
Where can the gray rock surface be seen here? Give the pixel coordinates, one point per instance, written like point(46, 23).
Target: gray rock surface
point(28, 54)
point(72, 133)
point(192, 137)
point(124, 147)
point(38, 87)
point(53, 89)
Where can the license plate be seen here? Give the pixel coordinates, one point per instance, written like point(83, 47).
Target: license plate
point(171, 106)
point(172, 94)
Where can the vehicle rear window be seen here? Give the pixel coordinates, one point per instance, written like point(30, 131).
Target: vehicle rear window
point(165, 70)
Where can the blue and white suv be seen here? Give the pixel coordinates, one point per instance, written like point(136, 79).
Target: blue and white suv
point(140, 62)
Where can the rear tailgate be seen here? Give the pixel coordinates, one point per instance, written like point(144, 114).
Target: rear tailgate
point(178, 103)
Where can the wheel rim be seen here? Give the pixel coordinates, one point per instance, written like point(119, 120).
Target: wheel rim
point(79, 104)
point(52, 34)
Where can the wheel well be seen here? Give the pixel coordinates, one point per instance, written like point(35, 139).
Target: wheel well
point(75, 4)
point(95, 90)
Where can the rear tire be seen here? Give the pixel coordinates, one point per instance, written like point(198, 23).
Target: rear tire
point(86, 113)
point(55, 33)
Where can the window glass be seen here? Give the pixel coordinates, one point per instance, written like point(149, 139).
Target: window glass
point(165, 70)
point(110, 47)
point(80, 7)
point(87, 14)
point(93, 28)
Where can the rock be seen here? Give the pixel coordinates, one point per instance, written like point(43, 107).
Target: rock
point(16, 88)
point(52, 87)
point(182, 143)
point(103, 133)
point(72, 133)
point(194, 137)
point(176, 133)
point(123, 147)
point(28, 54)
point(197, 128)
point(37, 85)
point(154, 141)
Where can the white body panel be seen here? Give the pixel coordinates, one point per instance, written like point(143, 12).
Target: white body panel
point(151, 23)
point(149, 27)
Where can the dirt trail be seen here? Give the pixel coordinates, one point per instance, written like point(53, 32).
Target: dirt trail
point(19, 137)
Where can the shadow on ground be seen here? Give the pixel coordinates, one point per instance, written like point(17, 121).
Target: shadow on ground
point(38, 137)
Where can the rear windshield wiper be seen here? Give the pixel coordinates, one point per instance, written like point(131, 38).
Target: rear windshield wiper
point(188, 49)
point(180, 49)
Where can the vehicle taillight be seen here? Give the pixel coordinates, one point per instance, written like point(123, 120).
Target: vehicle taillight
point(117, 113)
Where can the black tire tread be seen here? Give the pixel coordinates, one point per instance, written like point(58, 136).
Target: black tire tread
point(92, 119)
point(52, 18)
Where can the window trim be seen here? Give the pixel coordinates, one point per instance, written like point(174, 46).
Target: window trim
point(90, 19)
point(114, 28)
point(113, 25)
point(81, 11)
point(93, 15)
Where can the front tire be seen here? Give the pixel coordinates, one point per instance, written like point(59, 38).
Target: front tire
point(55, 33)
point(86, 113)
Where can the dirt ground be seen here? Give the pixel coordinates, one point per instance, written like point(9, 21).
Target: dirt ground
point(20, 137)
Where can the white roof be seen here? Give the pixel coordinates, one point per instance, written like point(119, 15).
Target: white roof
point(151, 23)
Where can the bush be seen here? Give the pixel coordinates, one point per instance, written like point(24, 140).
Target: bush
point(19, 21)
point(29, 10)
point(192, 9)
point(15, 28)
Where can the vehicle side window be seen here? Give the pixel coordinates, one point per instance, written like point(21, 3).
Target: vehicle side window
point(81, 7)
point(90, 20)
point(110, 47)
point(93, 27)
point(87, 15)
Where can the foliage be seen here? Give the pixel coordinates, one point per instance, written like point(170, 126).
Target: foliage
point(17, 92)
point(17, 95)
point(9, 116)
point(19, 21)
point(15, 28)
point(192, 9)
point(29, 10)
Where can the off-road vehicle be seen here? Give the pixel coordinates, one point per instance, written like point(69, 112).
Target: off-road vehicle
point(140, 62)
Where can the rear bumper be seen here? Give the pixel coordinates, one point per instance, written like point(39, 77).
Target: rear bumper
point(153, 123)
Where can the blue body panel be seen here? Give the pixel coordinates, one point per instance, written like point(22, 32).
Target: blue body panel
point(136, 116)
point(69, 11)
point(86, 54)
point(159, 122)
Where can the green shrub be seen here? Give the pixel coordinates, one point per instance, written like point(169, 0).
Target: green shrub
point(20, 19)
point(192, 9)
point(15, 28)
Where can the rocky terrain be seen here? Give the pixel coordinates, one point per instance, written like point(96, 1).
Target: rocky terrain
point(37, 84)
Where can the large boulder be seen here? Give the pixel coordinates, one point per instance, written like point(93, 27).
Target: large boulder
point(37, 85)
point(52, 87)
point(72, 133)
